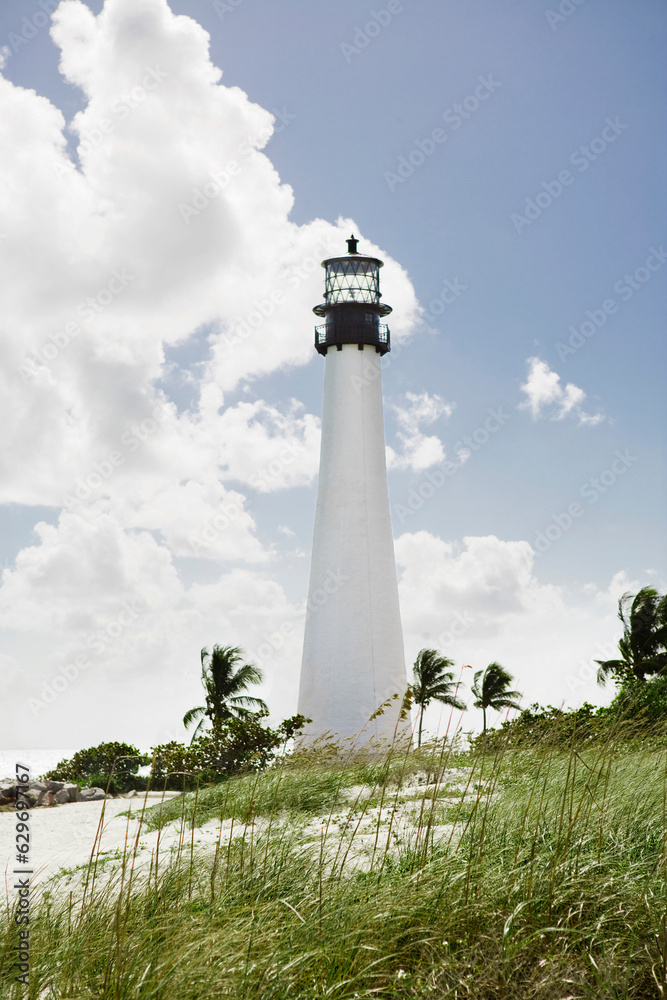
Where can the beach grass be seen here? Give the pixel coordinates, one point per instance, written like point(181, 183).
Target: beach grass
point(513, 873)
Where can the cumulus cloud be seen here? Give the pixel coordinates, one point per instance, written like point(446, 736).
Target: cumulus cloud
point(485, 575)
point(268, 449)
point(129, 670)
point(480, 601)
point(545, 394)
point(419, 451)
point(81, 572)
point(105, 269)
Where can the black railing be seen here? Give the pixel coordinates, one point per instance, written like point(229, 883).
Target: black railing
point(334, 334)
point(382, 331)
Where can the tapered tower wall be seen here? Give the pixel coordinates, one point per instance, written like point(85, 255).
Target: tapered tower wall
point(353, 658)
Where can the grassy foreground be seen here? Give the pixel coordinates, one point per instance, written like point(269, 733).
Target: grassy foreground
point(542, 875)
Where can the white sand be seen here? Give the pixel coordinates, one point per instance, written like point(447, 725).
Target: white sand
point(63, 837)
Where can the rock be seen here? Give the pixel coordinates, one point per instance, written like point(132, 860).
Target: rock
point(131, 794)
point(62, 796)
point(7, 792)
point(54, 786)
point(72, 790)
point(91, 795)
point(32, 795)
point(41, 786)
point(47, 798)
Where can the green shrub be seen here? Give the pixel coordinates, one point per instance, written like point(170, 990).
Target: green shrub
point(112, 765)
point(235, 746)
point(639, 710)
point(645, 701)
point(172, 766)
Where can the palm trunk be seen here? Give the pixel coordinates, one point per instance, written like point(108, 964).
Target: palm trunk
point(484, 711)
point(421, 719)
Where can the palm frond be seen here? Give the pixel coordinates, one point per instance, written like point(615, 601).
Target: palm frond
point(494, 690)
point(192, 714)
point(224, 678)
point(247, 701)
point(608, 668)
point(433, 681)
point(198, 729)
point(506, 703)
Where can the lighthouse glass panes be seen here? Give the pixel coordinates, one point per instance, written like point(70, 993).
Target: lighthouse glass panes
point(352, 281)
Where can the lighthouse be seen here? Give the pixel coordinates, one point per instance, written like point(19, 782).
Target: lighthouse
point(353, 657)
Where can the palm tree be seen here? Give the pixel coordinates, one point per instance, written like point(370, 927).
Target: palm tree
point(494, 690)
point(223, 682)
point(433, 682)
point(644, 643)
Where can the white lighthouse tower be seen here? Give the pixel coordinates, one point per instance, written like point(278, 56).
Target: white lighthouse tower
point(353, 658)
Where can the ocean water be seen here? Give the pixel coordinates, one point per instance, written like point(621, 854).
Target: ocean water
point(38, 760)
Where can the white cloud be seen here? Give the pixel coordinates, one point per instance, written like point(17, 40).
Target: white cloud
point(481, 601)
point(418, 451)
point(196, 519)
point(545, 393)
point(486, 576)
point(81, 572)
point(142, 675)
point(267, 449)
point(422, 409)
point(156, 127)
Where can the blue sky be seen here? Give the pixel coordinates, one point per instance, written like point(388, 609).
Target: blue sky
point(580, 91)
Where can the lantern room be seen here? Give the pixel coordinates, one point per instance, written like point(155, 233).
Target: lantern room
point(352, 305)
